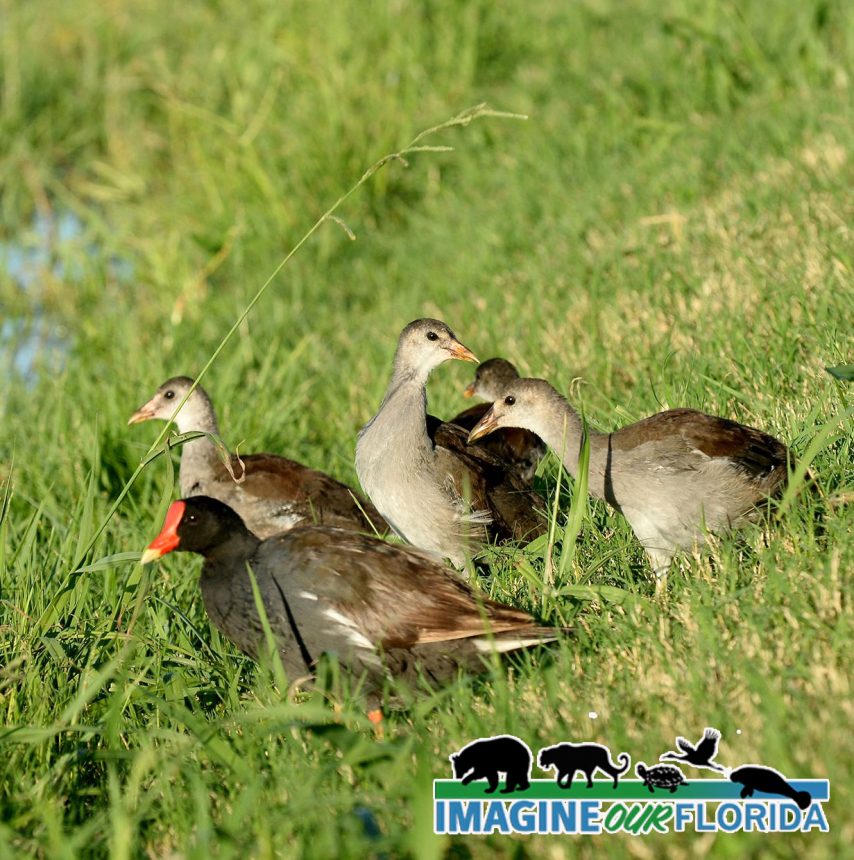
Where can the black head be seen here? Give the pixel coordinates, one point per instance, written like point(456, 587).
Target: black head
point(547, 758)
point(198, 524)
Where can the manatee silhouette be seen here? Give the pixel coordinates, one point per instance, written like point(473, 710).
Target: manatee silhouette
point(754, 777)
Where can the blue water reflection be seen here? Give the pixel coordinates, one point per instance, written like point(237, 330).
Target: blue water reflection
point(53, 246)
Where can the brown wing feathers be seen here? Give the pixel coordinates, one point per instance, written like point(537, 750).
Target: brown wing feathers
point(493, 485)
point(322, 498)
point(430, 604)
point(756, 453)
point(750, 450)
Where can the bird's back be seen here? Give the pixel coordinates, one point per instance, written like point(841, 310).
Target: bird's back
point(490, 484)
point(521, 449)
point(273, 494)
point(681, 472)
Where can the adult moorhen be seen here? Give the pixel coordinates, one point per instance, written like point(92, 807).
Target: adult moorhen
point(274, 493)
point(436, 492)
point(384, 610)
point(675, 476)
point(522, 448)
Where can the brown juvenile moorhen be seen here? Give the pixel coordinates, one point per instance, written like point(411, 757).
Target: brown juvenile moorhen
point(675, 476)
point(436, 492)
point(522, 448)
point(384, 610)
point(275, 494)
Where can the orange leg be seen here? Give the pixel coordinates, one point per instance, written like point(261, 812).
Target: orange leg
point(376, 717)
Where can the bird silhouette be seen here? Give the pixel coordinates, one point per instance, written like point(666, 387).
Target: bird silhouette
point(700, 755)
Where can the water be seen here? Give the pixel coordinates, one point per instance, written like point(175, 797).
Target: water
point(54, 247)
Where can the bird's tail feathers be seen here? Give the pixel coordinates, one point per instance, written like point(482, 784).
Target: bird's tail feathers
point(513, 640)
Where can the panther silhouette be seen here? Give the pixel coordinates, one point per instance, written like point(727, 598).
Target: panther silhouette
point(566, 759)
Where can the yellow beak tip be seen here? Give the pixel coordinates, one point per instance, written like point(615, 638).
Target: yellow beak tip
point(149, 556)
point(139, 416)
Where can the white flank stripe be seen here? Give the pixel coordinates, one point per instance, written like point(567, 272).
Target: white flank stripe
point(350, 630)
point(499, 646)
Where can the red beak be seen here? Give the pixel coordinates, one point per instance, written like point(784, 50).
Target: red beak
point(168, 538)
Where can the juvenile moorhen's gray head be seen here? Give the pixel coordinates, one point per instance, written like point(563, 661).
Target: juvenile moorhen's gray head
point(490, 379)
point(526, 403)
point(195, 414)
point(425, 344)
point(199, 524)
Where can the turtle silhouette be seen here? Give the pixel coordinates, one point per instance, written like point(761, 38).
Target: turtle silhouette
point(566, 759)
point(755, 777)
point(488, 757)
point(700, 755)
point(660, 776)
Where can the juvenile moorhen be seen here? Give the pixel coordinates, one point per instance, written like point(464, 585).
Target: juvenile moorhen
point(675, 476)
point(436, 492)
point(275, 493)
point(521, 448)
point(384, 610)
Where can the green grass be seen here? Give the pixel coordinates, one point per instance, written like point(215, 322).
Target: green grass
point(670, 227)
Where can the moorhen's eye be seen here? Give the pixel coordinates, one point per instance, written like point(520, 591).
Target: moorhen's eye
point(509, 399)
point(190, 518)
point(431, 335)
point(169, 394)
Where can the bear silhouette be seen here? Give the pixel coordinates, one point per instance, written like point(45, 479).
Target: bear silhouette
point(566, 759)
point(488, 757)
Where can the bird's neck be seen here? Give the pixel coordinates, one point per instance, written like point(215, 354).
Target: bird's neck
point(405, 401)
point(197, 455)
point(230, 557)
point(561, 428)
point(408, 373)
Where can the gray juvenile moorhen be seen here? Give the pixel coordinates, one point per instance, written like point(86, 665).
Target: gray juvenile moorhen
point(522, 448)
point(275, 494)
point(384, 610)
point(421, 483)
point(675, 476)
